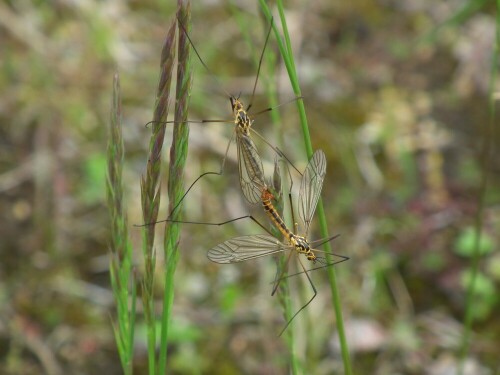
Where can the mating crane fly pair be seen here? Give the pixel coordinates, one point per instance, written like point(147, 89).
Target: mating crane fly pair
point(256, 190)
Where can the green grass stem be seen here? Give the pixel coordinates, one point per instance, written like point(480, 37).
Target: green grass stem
point(486, 165)
point(287, 54)
point(268, 80)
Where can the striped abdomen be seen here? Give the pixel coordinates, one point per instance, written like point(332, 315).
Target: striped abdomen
point(298, 242)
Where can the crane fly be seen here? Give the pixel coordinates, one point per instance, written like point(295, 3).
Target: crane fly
point(240, 249)
point(249, 167)
point(243, 126)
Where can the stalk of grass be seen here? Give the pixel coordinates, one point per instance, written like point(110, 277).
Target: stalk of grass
point(122, 282)
point(462, 14)
point(178, 155)
point(271, 91)
point(284, 297)
point(486, 164)
point(287, 54)
point(150, 191)
point(284, 288)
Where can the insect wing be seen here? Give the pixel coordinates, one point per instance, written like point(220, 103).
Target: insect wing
point(310, 187)
point(243, 248)
point(250, 168)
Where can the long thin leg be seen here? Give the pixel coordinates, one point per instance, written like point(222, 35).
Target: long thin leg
point(208, 223)
point(220, 173)
point(259, 66)
point(344, 258)
point(307, 303)
point(201, 60)
point(230, 121)
point(275, 149)
point(268, 109)
point(295, 225)
point(322, 241)
point(277, 281)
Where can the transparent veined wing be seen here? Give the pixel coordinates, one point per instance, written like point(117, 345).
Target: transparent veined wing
point(310, 187)
point(243, 248)
point(252, 179)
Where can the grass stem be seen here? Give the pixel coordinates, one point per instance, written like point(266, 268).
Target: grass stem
point(287, 54)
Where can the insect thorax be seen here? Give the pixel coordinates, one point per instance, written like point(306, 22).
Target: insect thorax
point(241, 118)
point(302, 247)
point(243, 122)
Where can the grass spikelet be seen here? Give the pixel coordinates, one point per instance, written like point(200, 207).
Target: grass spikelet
point(150, 189)
point(122, 283)
point(178, 155)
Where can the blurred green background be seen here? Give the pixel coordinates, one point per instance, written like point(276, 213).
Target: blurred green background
point(397, 97)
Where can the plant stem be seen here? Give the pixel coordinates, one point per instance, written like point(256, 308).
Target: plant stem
point(270, 88)
point(287, 54)
point(486, 162)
